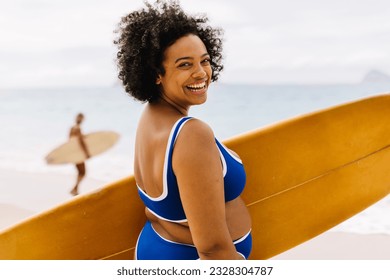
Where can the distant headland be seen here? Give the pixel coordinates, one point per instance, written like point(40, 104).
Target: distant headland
point(376, 76)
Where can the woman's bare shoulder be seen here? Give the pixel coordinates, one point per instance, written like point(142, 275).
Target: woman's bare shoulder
point(197, 129)
point(196, 139)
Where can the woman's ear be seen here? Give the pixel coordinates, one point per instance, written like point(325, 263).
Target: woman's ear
point(158, 80)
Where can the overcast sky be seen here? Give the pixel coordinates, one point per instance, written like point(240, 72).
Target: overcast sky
point(46, 43)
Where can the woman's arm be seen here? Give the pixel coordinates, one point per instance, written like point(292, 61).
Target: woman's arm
point(198, 169)
point(76, 132)
point(84, 146)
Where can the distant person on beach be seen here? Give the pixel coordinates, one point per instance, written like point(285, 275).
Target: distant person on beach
point(75, 131)
point(189, 182)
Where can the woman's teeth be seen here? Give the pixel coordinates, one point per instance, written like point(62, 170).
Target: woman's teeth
point(195, 87)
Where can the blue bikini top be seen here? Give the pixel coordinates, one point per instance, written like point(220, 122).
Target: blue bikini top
point(168, 205)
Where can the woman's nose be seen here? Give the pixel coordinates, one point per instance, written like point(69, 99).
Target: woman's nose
point(199, 72)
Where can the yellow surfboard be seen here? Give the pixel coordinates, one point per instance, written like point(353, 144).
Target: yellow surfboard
point(304, 176)
point(71, 151)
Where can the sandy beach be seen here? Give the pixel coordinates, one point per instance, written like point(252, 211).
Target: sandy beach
point(341, 246)
point(24, 194)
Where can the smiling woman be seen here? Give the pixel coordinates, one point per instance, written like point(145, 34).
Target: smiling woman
point(187, 73)
point(189, 182)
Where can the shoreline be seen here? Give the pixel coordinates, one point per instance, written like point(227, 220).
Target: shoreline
point(24, 194)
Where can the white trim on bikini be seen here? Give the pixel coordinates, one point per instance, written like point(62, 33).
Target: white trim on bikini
point(165, 171)
point(191, 245)
point(165, 219)
point(242, 238)
point(230, 153)
point(223, 160)
point(136, 245)
point(170, 241)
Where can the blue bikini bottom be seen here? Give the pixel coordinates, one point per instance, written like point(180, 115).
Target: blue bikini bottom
point(152, 246)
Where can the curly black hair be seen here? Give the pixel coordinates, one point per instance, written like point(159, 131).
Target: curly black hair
point(145, 34)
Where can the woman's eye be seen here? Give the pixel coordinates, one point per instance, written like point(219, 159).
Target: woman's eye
point(206, 61)
point(185, 64)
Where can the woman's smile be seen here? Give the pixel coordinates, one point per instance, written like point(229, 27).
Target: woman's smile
point(197, 88)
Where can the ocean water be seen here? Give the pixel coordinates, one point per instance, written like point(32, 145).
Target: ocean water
point(34, 121)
